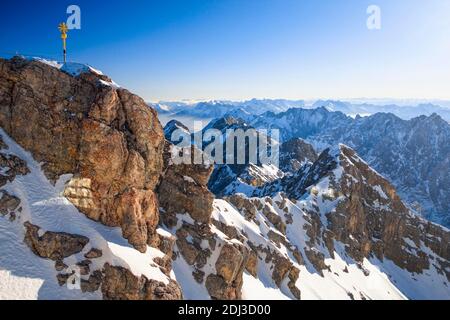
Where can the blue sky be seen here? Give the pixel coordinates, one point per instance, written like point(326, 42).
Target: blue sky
point(240, 49)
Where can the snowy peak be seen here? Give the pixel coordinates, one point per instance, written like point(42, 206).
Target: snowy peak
point(350, 206)
point(410, 153)
point(174, 125)
point(295, 153)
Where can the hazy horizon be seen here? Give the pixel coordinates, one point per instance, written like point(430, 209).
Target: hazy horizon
point(238, 50)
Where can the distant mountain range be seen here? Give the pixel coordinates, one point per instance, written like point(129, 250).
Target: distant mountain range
point(216, 109)
point(413, 154)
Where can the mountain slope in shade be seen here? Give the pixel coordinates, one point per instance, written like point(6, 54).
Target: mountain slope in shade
point(350, 219)
point(335, 229)
point(414, 155)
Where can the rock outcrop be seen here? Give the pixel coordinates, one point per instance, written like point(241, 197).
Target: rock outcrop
point(111, 143)
point(369, 218)
point(295, 153)
point(108, 138)
point(53, 245)
point(186, 208)
point(183, 190)
point(120, 284)
point(376, 222)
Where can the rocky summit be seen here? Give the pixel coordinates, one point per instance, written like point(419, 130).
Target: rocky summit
point(105, 137)
point(93, 207)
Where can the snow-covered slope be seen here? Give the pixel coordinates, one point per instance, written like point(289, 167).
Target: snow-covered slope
point(344, 279)
point(23, 275)
point(340, 251)
point(333, 229)
point(413, 154)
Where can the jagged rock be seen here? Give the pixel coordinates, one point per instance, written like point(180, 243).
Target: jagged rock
point(228, 230)
point(380, 223)
point(294, 153)
point(8, 203)
point(243, 204)
point(165, 264)
point(93, 283)
point(198, 275)
point(251, 265)
point(93, 253)
point(166, 243)
point(12, 166)
point(108, 138)
point(60, 265)
point(275, 219)
point(294, 273)
point(183, 190)
point(298, 256)
point(193, 252)
point(218, 289)
point(188, 250)
point(84, 267)
point(139, 216)
point(230, 265)
point(155, 290)
point(282, 267)
point(62, 278)
point(276, 238)
point(230, 262)
point(53, 245)
point(120, 284)
point(317, 259)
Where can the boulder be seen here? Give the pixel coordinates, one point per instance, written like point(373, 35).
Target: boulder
point(93, 253)
point(120, 284)
point(53, 245)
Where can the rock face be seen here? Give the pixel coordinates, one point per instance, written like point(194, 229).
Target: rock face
point(120, 284)
point(227, 283)
point(183, 190)
point(369, 218)
point(412, 154)
point(95, 274)
point(186, 208)
point(108, 138)
point(228, 178)
point(295, 153)
point(8, 203)
point(381, 224)
point(53, 245)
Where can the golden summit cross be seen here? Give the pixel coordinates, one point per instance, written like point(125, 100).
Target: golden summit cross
point(62, 27)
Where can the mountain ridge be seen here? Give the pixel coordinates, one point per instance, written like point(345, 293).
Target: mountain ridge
point(89, 193)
